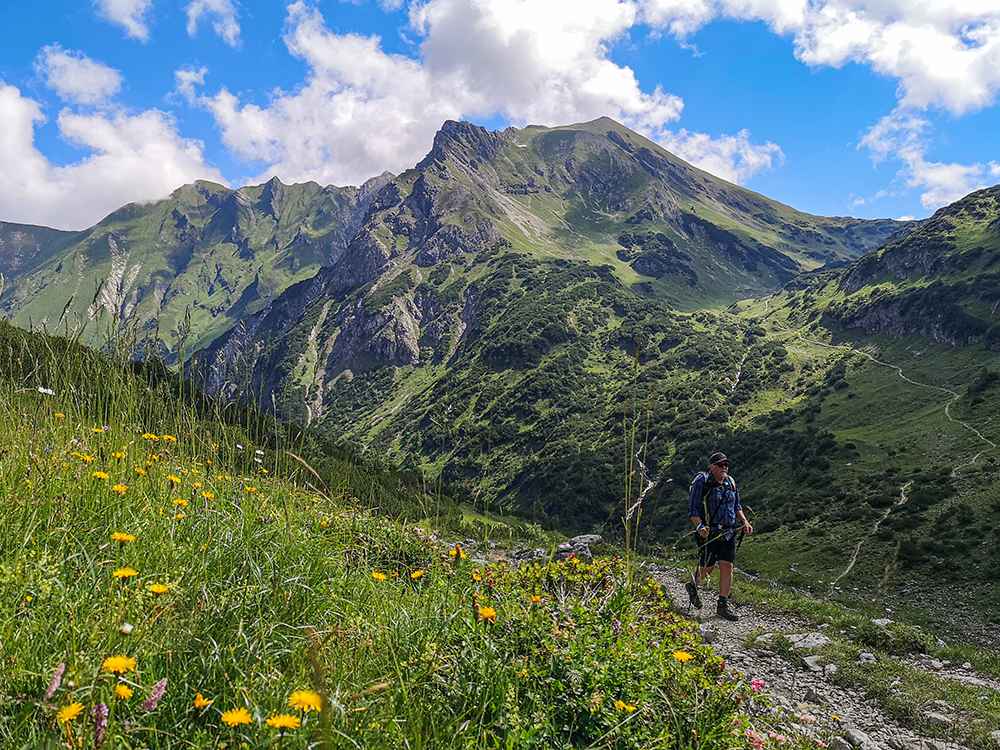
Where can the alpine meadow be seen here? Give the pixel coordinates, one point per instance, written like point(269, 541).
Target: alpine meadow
point(407, 464)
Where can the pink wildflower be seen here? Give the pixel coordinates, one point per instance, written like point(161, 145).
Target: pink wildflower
point(56, 680)
point(159, 689)
point(756, 684)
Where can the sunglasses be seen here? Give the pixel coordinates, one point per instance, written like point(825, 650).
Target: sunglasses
point(723, 465)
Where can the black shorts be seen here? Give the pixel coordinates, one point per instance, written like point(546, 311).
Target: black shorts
point(715, 548)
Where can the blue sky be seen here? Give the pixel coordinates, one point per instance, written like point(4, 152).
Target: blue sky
point(871, 108)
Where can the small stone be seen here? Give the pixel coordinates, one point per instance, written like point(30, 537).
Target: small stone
point(858, 739)
point(808, 640)
point(935, 719)
point(707, 632)
point(830, 670)
point(813, 698)
point(838, 743)
point(865, 658)
point(883, 622)
point(813, 663)
point(126, 628)
point(995, 736)
point(967, 665)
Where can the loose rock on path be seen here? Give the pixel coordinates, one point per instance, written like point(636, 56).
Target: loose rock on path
point(854, 717)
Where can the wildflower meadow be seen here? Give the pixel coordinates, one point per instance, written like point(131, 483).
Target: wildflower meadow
point(172, 577)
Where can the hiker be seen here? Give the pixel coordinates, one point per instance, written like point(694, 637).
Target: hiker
point(714, 507)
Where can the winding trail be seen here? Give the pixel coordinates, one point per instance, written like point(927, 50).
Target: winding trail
point(857, 550)
point(899, 371)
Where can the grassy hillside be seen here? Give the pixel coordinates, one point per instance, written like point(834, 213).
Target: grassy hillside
point(174, 578)
point(182, 269)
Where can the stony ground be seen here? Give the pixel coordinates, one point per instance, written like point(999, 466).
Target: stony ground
point(807, 689)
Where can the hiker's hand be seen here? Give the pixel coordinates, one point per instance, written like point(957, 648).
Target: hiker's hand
point(747, 527)
point(703, 532)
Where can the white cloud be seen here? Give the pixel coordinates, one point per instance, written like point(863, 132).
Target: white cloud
point(944, 54)
point(185, 80)
point(129, 14)
point(129, 158)
point(224, 15)
point(900, 137)
point(75, 77)
point(731, 157)
point(362, 110)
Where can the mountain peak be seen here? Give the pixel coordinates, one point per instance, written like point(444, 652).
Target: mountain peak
point(455, 138)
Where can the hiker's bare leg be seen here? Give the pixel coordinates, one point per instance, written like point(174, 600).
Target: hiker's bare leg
point(725, 578)
point(703, 573)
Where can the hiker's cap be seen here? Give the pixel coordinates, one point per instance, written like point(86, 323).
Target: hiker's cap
point(718, 458)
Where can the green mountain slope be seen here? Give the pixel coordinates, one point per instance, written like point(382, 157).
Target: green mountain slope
point(485, 320)
point(892, 450)
point(182, 268)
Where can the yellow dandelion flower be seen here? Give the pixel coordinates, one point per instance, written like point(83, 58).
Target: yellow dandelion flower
point(118, 664)
point(121, 537)
point(476, 575)
point(197, 485)
point(180, 516)
point(121, 489)
point(284, 721)
point(201, 702)
point(149, 436)
point(169, 438)
point(379, 576)
point(172, 479)
point(70, 712)
point(87, 458)
point(236, 716)
point(59, 415)
point(305, 700)
point(324, 523)
point(208, 495)
point(182, 503)
point(99, 430)
point(250, 489)
point(118, 454)
point(100, 475)
point(125, 573)
point(140, 471)
point(124, 692)
point(159, 588)
point(623, 706)
point(536, 599)
point(488, 613)
point(682, 656)
point(416, 574)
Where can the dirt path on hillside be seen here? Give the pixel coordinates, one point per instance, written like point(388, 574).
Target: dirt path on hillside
point(899, 371)
point(807, 688)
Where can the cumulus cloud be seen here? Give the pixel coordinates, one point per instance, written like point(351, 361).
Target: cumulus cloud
point(362, 110)
point(185, 81)
point(129, 14)
point(944, 54)
point(731, 157)
point(224, 19)
point(900, 137)
point(75, 77)
point(130, 157)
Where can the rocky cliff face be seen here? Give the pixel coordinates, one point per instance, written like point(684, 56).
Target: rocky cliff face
point(940, 281)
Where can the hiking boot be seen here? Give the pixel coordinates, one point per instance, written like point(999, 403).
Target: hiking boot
point(725, 613)
point(692, 589)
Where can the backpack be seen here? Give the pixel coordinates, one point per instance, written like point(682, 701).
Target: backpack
point(707, 486)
